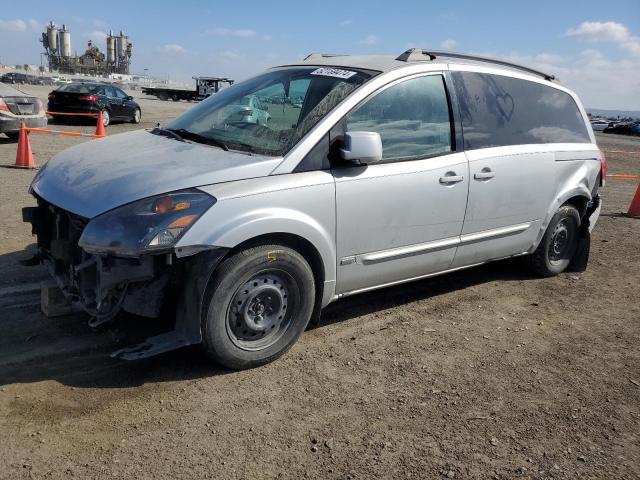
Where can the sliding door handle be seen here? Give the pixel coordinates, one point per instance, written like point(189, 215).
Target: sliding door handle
point(485, 174)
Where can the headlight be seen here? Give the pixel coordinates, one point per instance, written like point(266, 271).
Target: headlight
point(154, 223)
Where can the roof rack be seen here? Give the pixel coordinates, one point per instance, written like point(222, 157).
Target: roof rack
point(418, 54)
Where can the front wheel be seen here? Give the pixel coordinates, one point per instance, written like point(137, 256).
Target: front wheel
point(137, 115)
point(558, 246)
point(257, 305)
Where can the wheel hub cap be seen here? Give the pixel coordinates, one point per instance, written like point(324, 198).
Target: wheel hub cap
point(257, 312)
point(559, 242)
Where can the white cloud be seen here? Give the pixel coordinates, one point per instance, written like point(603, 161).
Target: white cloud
point(606, 32)
point(19, 25)
point(172, 48)
point(599, 82)
point(228, 32)
point(99, 23)
point(226, 56)
point(95, 36)
point(345, 23)
point(448, 44)
point(369, 40)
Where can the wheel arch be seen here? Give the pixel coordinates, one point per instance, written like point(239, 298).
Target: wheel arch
point(579, 197)
point(301, 245)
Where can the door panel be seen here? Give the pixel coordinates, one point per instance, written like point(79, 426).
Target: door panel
point(383, 208)
point(509, 186)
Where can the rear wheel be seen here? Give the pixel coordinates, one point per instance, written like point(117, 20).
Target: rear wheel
point(258, 304)
point(175, 97)
point(558, 246)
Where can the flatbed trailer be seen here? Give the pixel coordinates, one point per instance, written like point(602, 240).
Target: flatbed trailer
point(205, 86)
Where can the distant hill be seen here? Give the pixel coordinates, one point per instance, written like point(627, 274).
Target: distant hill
point(614, 113)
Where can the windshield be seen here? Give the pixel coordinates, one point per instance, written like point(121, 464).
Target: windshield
point(270, 113)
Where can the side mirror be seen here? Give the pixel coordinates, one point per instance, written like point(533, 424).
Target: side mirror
point(362, 147)
point(129, 97)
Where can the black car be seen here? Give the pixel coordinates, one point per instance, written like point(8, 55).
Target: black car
point(627, 128)
point(19, 78)
point(88, 97)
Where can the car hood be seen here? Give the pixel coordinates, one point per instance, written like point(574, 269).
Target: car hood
point(97, 176)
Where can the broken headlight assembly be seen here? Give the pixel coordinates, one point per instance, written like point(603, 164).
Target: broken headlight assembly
point(147, 225)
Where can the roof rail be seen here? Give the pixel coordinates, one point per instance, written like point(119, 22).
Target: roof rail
point(418, 54)
point(318, 56)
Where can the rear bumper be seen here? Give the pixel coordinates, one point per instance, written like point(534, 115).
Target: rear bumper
point(12, 124)
point(593, 212)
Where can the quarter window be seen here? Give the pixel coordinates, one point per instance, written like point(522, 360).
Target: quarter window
point(120, 94)
point(497, 110)
point(412, 118)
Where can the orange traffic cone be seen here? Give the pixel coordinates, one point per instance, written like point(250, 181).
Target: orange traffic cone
point(24, 157)
point(634, 208)
point(100, 126)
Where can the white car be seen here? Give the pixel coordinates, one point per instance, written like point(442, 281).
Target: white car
point(396, 169)
point(600, 125)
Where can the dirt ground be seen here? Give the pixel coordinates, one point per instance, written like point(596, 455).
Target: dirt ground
point(485, 373)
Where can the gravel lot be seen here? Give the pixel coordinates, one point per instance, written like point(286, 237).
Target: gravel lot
point(486, 373)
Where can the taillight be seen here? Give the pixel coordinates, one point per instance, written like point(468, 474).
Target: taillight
point(603, 168)
point(52, 95)
point(3, 106)
point(88, 98)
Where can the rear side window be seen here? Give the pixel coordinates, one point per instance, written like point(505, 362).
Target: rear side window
point(412, 118)
point(498, 110)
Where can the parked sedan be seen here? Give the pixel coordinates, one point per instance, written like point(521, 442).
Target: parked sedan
point(84, 97)
point(600, 125)
point(16, 107)
point(248, 110)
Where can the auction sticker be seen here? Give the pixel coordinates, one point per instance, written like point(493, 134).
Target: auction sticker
point(333, 72)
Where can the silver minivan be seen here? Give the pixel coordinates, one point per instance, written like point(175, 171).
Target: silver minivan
point(370, 171)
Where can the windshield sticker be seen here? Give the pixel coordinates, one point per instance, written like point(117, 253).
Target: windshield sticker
point(334, 72)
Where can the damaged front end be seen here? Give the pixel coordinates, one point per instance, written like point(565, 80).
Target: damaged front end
point(124, 260)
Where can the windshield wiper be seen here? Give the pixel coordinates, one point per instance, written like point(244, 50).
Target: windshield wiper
point(196, 137)
point(167, 133)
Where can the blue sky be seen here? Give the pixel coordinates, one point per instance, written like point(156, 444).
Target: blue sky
point(592, 46)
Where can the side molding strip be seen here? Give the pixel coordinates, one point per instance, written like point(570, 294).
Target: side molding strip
point(420, 248)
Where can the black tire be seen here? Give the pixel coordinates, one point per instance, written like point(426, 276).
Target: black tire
point(175, 97)
point(12, 135)
point(558, 246)
point(257, 304)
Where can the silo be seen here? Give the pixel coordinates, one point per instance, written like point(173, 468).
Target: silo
point(121, 45)
point(65, 42)
point(52, 36)
point(111, 48)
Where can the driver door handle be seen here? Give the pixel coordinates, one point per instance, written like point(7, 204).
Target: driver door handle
point(450, 179)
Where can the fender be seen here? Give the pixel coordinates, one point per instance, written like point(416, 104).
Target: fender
point(246, 213)
point(580, 190)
